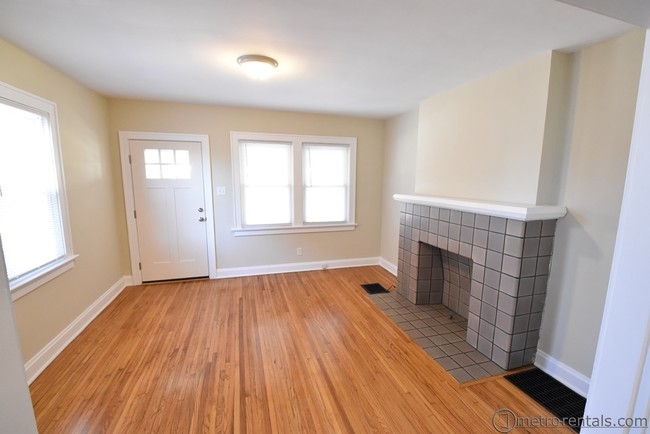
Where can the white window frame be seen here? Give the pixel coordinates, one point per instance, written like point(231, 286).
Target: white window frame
point(297, 209)
point(30, 281)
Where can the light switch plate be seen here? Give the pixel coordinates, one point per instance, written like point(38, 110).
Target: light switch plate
point(221, 191)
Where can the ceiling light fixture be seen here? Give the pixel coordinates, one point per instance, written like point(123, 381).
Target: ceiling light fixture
point(256, 66)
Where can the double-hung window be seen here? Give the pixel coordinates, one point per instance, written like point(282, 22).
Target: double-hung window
point(290, 183)
point(33, 213)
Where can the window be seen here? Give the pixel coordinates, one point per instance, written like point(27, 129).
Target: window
point(288, 183)
point(167, 164)
point(33, 214)
point(325, 182)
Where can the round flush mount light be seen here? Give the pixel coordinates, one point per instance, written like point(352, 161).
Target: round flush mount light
point(256, 66)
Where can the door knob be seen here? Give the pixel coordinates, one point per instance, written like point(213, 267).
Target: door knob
point(201, 219)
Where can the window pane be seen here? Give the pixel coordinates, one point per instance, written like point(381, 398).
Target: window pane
point(266, 183)
point(266, 164)
point(325, 204)
point(267, 205)
point(325, 173)
point(151, 156)
point(168, 171)
point(30, 215)
point(325, 165)
point(182, 156)
point(167, 156)
point(152, 171)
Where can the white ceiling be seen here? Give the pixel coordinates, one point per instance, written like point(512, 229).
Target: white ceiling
point(361, 57)
point(633, 11)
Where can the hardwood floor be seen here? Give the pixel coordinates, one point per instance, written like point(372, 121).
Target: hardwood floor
point(288, 353)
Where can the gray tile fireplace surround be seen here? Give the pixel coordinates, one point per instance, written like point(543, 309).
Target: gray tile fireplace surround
point(493, 271)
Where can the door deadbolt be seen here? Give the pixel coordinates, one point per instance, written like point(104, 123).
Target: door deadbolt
point(200, 209)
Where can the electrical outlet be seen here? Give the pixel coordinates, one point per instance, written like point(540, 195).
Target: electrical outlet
point(299, 251)
point(221, 191)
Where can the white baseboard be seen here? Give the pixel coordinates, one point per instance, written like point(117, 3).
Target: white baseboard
point(224, 273)
point(45, 356)
point(388, 266)
point(565, 374)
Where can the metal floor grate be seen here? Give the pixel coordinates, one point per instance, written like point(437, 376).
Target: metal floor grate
point(374, 288)
point(550, 393)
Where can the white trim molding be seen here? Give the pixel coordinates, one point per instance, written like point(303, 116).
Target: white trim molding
point(388, 266)
point(43, 276)
point(225, 273)
point(563, 373)
point(48, 353)
point(514, 211)
point(251, 232)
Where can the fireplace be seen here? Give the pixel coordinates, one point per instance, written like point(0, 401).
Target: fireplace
point(487, 262)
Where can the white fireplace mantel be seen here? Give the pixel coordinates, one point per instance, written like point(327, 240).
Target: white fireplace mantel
point(497, 209)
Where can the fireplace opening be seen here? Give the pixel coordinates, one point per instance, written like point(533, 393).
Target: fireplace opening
point(444, 278)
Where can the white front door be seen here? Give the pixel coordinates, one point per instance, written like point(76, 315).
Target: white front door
point(170, 209)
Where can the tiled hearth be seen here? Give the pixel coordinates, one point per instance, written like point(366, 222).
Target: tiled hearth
point(491, 269)
point(440, 333)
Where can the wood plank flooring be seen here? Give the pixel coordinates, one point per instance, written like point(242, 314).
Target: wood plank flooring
point(287, 353)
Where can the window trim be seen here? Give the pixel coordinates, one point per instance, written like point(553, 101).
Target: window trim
point(297, 205)
point(37, 278)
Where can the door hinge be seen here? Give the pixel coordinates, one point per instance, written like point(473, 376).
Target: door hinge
point(135, 215)
point(129, 158)
point(140, 265)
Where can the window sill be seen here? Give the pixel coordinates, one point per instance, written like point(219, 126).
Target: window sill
point(251, 232)
point(43, 276)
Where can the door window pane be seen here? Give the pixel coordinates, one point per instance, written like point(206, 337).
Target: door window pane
point(167, 156)
point(182, 156)
point(151, 156)
point(152, 171)
point(167, 164)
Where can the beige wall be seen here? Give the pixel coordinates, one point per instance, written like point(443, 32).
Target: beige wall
point(607, 85)
point(88, 164)
point(217, 122)
point(483, 140)
point(557, 129)
point(399, 177)
point(500, 137)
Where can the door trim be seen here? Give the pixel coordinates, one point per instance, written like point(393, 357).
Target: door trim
point(129, 200)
